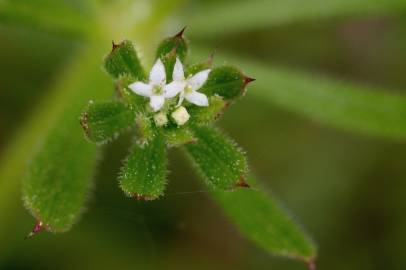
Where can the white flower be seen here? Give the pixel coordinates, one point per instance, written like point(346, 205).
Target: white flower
point(180, 115)
point(156, 89)
point(188, 87)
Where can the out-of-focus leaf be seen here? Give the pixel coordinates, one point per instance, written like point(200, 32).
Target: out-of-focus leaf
point(144, 174)
point(261, 220)
point(58, 17)
point(223, 18)
point(219, 160)
point(103, 121)
point(340, 104)
point(58, 180)
point(123, 60)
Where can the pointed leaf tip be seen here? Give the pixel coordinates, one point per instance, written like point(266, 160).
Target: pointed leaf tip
point(211, 57)
point(242, 183)
point(177, 41)
point(123, 60)
point(38, 227)
point(312, 265)
point(84, 123)
point(180, 34)
point(140, 197)
point(248, 80)
point(114, 45)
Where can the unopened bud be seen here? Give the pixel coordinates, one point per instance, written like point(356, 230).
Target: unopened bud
point(180, 115)
point(160, 119)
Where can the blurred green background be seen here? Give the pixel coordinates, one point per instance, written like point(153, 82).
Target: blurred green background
point(346, 188)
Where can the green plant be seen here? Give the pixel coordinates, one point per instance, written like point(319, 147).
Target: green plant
point(174, 107)
point(62, 167)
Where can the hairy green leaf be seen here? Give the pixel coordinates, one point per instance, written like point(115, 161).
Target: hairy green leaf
point(169, 61)
point(177, 44)
point(58, 179)
point(170, 49)
point(199, 66)
point(220, 161)
point(206, 115)
point(258, 14)
point(260, 219)
point(134, 102)
point(145, 129)
point(340, 104)
point(123, 60)
point(226, 81)
point(144, 174)
point(176, 136)
point(103, 121)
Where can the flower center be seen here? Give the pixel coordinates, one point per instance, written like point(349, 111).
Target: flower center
point(188, 89)
point(157, 90)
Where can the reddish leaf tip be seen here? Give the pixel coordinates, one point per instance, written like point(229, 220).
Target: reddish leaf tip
point(114, 45)
point(242, 183)
point(39, 226)
point(180, 34)
point(140, 197)
point(247, 80)
point(211, 58)
point(84, 123)
point(312, 265)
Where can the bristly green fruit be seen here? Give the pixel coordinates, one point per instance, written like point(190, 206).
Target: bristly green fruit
point(219, 160)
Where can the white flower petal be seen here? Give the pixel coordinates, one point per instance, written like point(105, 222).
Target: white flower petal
point(157, 76)
point(181, 98)
point(197, 98)
point(197, 80)
point(172, 89)
point(156, 102)
point(178, 74)
point(141, 89)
